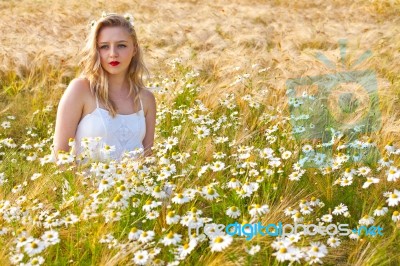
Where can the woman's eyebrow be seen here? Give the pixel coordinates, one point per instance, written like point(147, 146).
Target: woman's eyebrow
point(116, 42)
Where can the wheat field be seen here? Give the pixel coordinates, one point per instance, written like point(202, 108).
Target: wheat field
point(231, 140)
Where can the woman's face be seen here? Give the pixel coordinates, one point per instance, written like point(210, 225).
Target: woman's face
point(116, 50)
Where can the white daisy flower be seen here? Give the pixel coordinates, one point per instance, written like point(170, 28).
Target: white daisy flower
point(340, 209)
point(34, 247)
point(327, 218)
point(366, 220)
point(396, 216)
point(233, 212)
point(171, 239)
point(217, 166)
point(172, 218)
point(380, 211)
point(253, 249)
point(146, 236)
point(134, 234)
point(141, 257)
point(209, 193)
point(393, 198)
point(333, 242)
point(257, 209)
point(370, 180)
point(393, 173)
point(220, 243)
point(233, 183)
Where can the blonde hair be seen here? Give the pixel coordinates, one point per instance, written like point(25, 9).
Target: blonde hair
point(92, 70)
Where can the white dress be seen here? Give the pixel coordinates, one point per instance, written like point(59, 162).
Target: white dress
point(124, 133)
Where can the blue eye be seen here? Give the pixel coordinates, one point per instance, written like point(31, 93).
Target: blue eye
point(122, 45)
point(103, 46)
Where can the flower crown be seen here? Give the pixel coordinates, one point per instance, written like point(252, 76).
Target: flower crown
point(127, 16)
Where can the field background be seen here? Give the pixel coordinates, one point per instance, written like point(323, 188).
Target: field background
point(40, 41)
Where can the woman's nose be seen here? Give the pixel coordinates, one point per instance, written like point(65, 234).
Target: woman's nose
point(113, 51)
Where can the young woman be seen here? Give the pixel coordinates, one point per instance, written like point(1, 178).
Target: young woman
point(109, 103)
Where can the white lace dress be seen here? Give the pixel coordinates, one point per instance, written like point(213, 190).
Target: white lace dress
point(102, 137)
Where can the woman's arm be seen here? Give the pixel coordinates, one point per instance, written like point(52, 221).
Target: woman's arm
point(150, 114)
point(68, 114)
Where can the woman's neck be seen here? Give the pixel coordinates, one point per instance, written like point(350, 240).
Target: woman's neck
point(118, 84)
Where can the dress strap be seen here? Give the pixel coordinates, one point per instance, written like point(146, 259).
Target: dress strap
point(141, 103)
point(97, 101)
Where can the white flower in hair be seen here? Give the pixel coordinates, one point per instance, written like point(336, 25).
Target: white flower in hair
point(103, 14)
point(129, 18)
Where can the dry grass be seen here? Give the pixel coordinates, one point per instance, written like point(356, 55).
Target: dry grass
point(40, 40)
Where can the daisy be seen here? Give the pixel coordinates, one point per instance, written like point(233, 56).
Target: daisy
point(393, 198)
point(283, 253)
point(290, 211)
point(297, 218)
point(295, 176)
point(306, 210)
point(158, 193)
point(385, 162)
point(233, 212)
point(146, 236)
point(35, 176)
point(71, 219)
point(201, 132)
point(314, 201)
point(134, 234)
point(172, 218)
point(209, 193)
point(50, 237)
point(307, 148)
point(250, 187)
point(317, 250)
point(31, 157)
point(221, 242)
point(327, 218)
point(286, 155)
point(366, 220)
point(141, 257)
point(39, 260)
point(153, 214)
point(370, 180)
point(393, 173)
point(396, 216)
point(257, 209)
point(171, 239)
point(179, 198)
point(293, 238)
point(333, 242)
point(380, 211)
point(34, 247)
point(340, 209)
point(363, 170)
point(253, 249)
point(219, 155)
point(217, 166)
point(187, 248)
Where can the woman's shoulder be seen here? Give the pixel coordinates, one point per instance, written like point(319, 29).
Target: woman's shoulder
point(148, 100)
point(146, 94)
point(80, 87)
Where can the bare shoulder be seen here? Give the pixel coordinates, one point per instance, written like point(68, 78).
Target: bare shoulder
point(79, 87)
point(149, 101)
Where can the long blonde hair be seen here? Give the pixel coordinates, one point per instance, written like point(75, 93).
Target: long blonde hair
point(92, 70)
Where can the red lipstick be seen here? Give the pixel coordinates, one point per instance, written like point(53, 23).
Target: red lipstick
point(114, 63)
